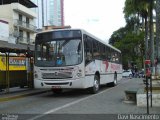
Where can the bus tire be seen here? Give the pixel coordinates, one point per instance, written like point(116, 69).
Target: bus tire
point(114, 83)
point(95, 88)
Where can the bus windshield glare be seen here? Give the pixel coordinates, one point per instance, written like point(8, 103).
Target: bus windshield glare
point(54, 52)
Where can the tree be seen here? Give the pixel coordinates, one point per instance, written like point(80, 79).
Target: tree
point(138, 9)
point(117, 35)
point(132, 47)
point(131, 37)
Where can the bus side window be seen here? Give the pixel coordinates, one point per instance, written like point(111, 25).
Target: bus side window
point(102, 51)
point(116, 57)
point(96, 51)
point(108, 54)
point(112, 55)
point(88, 49)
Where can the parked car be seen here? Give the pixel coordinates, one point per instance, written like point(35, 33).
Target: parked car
point(127, 73)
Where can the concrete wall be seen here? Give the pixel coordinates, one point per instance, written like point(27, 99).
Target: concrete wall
point(6, 15)
point(10, 13)
point(26, 11)
point(142, 100)
point(4, 30)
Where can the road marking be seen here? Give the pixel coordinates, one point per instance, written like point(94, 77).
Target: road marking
point(9, 98)
point(68, 104)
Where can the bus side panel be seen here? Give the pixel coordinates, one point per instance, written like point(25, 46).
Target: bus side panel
point(89, 80)
point(106, 78)
point(106, 70)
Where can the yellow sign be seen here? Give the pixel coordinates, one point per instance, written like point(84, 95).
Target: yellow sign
point(15, 63)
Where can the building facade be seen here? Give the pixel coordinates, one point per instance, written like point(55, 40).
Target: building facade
point(21, 21)
point(49, 13)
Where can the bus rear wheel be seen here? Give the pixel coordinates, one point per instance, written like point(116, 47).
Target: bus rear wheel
point(114, 83)
point(95, 88)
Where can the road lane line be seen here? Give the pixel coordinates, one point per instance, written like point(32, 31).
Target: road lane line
point(21, 95)
point(68, 104)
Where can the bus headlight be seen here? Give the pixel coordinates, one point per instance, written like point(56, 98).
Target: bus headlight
point(79, 74)
point(35, 75)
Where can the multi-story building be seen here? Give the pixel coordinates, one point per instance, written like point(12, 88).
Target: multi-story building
point(21, 20)
point(50, 13)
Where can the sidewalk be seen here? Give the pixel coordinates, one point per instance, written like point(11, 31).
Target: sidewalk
point(16, 92)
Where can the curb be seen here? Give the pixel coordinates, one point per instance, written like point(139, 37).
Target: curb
point(4, 99)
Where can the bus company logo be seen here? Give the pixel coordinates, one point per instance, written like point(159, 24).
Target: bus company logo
point(56, 73)
point(115, 67)
point(106, 64)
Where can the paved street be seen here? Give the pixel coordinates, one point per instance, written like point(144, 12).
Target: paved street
point(110, 100)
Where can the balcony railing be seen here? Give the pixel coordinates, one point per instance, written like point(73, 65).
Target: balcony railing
point(25, 25)
point(23, 40)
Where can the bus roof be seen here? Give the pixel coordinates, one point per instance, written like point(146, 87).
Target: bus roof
point(84, 32)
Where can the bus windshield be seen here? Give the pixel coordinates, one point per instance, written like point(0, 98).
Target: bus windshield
point(58, 52)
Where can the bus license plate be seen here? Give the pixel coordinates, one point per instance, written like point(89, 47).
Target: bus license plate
point(56, 87)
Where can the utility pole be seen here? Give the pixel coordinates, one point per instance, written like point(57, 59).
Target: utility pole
point(152, 36)
point(42, 13)
point(157, 35)
point(146, 39)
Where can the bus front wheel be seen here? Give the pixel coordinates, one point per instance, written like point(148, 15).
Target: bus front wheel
point(95, 88)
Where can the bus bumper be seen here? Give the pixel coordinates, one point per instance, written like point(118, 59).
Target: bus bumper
point(78, 83)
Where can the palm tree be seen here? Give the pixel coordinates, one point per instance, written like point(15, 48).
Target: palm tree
point(139, 10)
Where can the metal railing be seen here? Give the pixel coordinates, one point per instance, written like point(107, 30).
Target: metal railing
point(24, 40)
point(25, 25)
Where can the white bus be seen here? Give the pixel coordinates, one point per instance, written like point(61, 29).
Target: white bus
point(73, 58)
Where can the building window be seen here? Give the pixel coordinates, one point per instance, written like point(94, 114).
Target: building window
point(21, 35)
point(20, 19)
point(27, 22)
point(28, 37)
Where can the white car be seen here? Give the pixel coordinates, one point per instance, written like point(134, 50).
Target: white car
point(127, 73)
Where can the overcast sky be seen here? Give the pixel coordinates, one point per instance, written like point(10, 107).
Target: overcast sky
point(99, 17)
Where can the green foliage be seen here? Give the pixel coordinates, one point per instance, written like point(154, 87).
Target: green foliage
point(130, 43)
point(130, 39)
point(131, 46)
point(134, 7)
point(117, 35)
